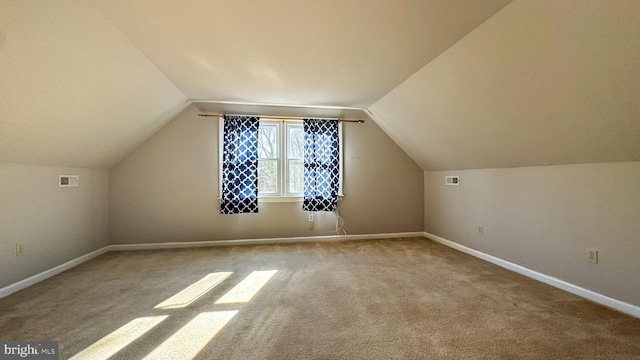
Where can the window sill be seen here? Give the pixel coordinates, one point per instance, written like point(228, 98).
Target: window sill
point(280, 199)
point(274, 199)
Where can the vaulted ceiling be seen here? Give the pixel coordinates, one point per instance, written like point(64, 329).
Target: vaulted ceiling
point(540, 83)
point(329, 52)
point(456, 83)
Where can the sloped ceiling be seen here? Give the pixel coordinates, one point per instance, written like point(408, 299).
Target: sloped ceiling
point(74, 91)
point(83, 82)
point(330, 52)
point(539, 83)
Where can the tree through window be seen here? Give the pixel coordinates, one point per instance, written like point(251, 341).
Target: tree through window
point(280, 153)
point(280, 158)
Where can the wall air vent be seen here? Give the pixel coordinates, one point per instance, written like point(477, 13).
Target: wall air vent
point(452, 180)
point(68, 180)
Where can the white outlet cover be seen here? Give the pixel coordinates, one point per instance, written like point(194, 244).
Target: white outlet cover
point(592, 255)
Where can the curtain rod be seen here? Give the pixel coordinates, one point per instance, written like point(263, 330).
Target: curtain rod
point(284, 118)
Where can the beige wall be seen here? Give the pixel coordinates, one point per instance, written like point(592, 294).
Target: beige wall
point(54, 224)
point(75, 90)
point(544, 218)
point(166, 190)
point(541, 82)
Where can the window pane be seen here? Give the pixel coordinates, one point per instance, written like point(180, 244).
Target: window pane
point(296, 141)
point(296, 176)
point(268, 141)
point(268, 176)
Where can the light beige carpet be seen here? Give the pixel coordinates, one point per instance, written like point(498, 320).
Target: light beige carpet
point(379, 299)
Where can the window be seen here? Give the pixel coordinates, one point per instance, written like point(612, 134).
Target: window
point(281, 160)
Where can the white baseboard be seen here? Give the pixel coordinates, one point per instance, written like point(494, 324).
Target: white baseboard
point(17, 286)
point(175, 245)
point(621, 306)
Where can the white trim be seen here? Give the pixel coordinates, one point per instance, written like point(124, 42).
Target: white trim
point(286, 146)
point(285, 199)
point(244, 103)
point(22, 284)
point(621, 306)
point(303, 239)
point(32, 280)
point(273, 199)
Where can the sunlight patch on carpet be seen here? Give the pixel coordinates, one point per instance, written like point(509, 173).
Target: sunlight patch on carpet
point(117, 340)
point(187, 342)
point(247, 288)
point(194, 291)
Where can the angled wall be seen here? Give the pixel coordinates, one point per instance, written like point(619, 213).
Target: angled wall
point(545, 217)
point(53, 224)
point(539, 83)
point(166, 190)
point(74, 91)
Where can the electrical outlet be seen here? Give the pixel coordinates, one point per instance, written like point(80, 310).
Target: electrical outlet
point(592, 256)
point(310, 221)
point(19, 250)
point(480, 229)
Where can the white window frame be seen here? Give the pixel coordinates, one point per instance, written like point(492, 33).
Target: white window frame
point(286, 126)
point(283, 160)
point(278, 159)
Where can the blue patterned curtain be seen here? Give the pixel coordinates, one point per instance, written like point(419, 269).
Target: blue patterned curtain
point(240, 165)
point(321, 165)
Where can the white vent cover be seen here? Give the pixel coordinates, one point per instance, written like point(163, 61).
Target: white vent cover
point(452, 180)
point(68, 180)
